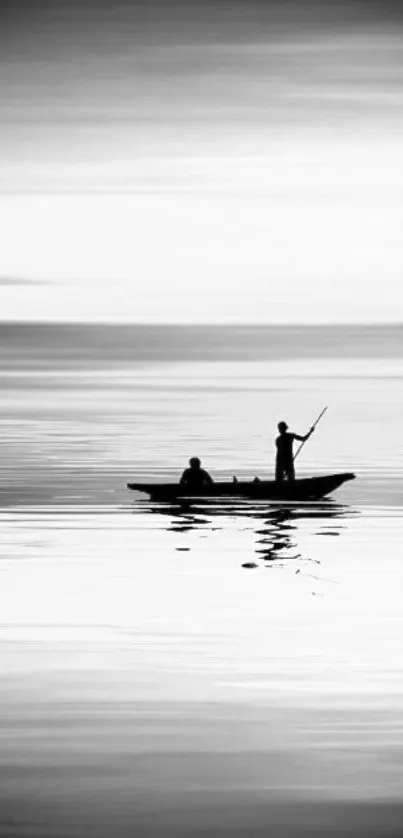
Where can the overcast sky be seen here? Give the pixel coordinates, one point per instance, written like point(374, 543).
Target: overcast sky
point(192, 161)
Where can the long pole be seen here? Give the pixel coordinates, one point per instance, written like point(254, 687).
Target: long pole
point(313, 426)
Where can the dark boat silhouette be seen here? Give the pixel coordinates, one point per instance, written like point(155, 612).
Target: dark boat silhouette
point(305, 489)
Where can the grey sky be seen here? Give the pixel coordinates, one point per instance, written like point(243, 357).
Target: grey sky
point(205, 107)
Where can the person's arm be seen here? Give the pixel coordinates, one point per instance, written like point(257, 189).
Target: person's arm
point(207, 478)
point(304, 438)
point(184, 478)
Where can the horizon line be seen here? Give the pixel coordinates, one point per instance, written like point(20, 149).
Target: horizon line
point(205, 324)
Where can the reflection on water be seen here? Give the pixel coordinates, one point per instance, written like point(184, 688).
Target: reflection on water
point(275, 527)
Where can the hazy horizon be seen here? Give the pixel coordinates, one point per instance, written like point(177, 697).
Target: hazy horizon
point(215, 323)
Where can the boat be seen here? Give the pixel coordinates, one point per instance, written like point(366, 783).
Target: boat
point(304, 489)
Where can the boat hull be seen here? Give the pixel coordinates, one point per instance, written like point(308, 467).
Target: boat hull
point(306, 489)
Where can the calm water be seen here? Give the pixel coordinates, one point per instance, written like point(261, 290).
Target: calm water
point(224, 670)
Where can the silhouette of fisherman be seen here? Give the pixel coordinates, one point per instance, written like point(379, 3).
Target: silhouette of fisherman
point(284, 456)
point(195, 477)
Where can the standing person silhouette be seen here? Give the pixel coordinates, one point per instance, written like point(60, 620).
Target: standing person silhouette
point(284, 455)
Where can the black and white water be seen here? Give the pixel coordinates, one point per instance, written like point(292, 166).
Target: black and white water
point(224, 670)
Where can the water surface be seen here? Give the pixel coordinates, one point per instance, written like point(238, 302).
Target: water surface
point(176, 670)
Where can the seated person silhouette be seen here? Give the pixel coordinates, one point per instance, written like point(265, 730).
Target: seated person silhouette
point(284, 456)
point(195, 477)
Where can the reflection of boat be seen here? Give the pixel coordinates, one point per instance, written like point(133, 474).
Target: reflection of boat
point(274, 526)
point(306, 489)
